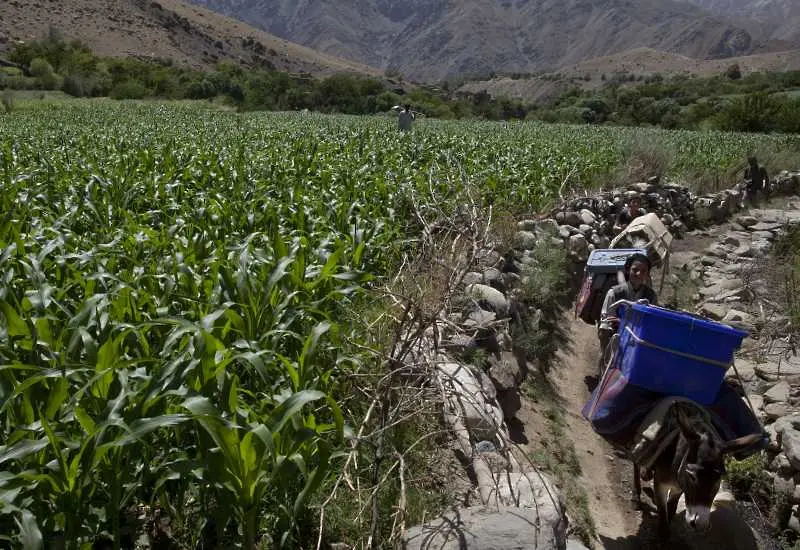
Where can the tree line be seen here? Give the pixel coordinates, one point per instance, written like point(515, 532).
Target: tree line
point(758, 102)
point(54, 63)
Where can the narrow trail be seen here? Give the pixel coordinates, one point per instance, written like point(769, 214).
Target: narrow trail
point(607, 477)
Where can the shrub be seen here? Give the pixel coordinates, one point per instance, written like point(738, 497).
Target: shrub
point(45, 75)
point(733, 72)
point(201, 89)
point(543, 294)
point(130, 89)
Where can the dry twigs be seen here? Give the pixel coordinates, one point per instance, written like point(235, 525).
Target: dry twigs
point(416, 299)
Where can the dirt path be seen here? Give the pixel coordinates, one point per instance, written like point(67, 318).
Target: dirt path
point(607, 477)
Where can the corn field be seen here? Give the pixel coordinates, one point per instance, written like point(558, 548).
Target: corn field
point(179, 298)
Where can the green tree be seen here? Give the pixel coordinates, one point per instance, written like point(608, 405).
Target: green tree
point(45, 75)
point(752, 113)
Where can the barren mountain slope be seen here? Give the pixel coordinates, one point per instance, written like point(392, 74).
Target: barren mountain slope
point(782, 15)
point(166, 29)
point(433, 39)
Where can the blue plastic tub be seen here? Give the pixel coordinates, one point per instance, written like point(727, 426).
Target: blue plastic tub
point(675, 353)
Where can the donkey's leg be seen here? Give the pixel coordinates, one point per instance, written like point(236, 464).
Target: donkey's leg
point(636, 498)
point(661, 494)
point(672, 503)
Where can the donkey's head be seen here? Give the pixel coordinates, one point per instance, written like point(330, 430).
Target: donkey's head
point(700, 462)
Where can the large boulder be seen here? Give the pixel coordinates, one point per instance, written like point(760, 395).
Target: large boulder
point(466, 401)
point(489, 298)
point(490, 528)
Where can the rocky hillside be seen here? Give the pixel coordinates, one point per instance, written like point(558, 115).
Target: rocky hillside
point(782, 15)
point(432, 40)
point(162, 29)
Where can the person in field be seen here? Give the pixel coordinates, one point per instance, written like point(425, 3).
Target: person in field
point(405, 118)
point(635, 288)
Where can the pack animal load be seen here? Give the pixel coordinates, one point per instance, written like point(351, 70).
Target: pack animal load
point(659, 353)
point(663, 401)
point(649, 233)
point(645, 235)
point(603, 271)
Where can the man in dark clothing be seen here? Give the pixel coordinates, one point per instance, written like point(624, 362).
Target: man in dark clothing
point(756, 181)
point(635, 288)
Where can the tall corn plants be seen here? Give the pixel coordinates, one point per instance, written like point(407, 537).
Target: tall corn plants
point(179, 293)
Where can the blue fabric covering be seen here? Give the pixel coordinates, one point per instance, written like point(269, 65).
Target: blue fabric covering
point(617, 407)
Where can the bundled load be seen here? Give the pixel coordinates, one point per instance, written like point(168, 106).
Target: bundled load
point(649, 233)
point(603, 271)
point(645, 235)
point(662, 354)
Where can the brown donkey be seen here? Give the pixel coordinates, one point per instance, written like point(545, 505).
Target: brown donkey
point(693, 465)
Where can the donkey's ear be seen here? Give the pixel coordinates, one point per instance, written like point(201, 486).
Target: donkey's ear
point(687, 429)
point(740, 443)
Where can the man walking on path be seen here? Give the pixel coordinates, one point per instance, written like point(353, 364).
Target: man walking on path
point(405, 118)
point(756, 182)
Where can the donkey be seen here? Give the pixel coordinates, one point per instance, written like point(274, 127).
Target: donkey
point(693, 465)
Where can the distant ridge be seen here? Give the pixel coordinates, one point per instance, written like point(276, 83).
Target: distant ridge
point(639, 62)
point(433, 40)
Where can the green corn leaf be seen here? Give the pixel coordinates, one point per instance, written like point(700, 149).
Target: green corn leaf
point(248, 454)
point(16, 325)
point(84, 420)
point(143, 426)
point(233, 395)
point(29, 534)
point(8, 497)
point(55, 445)
point(312, 340)
point(22, 449)
point(278, 273)
point(57, 397)
point(290, 407)
point(294, 373)
point(316, 478)
point(338, 417)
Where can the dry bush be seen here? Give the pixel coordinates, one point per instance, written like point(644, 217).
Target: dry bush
point(641, 161)
point(644, 160)
point(401, 468)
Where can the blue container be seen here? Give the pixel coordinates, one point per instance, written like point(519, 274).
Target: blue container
point(675, 353)
point(610, 260)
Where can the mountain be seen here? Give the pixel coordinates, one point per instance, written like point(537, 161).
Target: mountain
point(783, 16)
point(163, 29)
point(431, 40)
